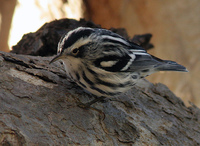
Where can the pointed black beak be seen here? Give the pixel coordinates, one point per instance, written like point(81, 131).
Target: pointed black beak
point(56, 58)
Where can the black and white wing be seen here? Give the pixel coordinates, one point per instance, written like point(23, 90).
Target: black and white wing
point(134, 60)
point(120, 55)
point(144, 62)
point(119, 58)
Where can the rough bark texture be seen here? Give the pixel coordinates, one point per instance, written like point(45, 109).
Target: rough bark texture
point(39, 106)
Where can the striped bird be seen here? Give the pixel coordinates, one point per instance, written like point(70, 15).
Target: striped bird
point(106, 64)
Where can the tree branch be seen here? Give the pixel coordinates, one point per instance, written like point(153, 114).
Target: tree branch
point(38, 105)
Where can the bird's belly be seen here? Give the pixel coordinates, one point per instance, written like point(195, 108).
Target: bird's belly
point(108, 85)
point(100, 83)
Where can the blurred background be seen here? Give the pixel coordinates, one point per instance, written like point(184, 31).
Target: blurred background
point(175, 26)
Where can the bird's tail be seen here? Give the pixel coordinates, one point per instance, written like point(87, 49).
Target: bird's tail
point(168, 65)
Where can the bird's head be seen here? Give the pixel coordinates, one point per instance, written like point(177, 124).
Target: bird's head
point(76, 44)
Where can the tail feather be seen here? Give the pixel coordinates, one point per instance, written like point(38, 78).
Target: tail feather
point(168, 65)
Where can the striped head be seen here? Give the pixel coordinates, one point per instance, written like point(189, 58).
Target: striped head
point(85, 42)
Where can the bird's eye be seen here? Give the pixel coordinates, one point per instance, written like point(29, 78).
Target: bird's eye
point(75, 51)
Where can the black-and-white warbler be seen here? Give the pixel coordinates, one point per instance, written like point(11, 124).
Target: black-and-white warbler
point(106, 64)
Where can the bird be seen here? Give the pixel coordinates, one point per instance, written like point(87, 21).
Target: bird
point(106, 64)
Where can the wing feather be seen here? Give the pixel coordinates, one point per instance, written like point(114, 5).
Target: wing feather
point(144, 61)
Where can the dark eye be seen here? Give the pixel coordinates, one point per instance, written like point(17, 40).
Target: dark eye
point(75, 51)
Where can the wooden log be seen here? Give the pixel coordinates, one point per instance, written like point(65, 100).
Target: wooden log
point(39, 106)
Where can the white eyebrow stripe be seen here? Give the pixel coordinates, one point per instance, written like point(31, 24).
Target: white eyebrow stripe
point(80, 42)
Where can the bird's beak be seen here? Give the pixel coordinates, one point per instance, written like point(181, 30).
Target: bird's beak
point(56, 58)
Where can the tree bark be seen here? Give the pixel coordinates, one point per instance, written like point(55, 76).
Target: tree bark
point(39, 106)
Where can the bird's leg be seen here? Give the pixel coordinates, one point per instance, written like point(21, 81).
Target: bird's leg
point(88, 104)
